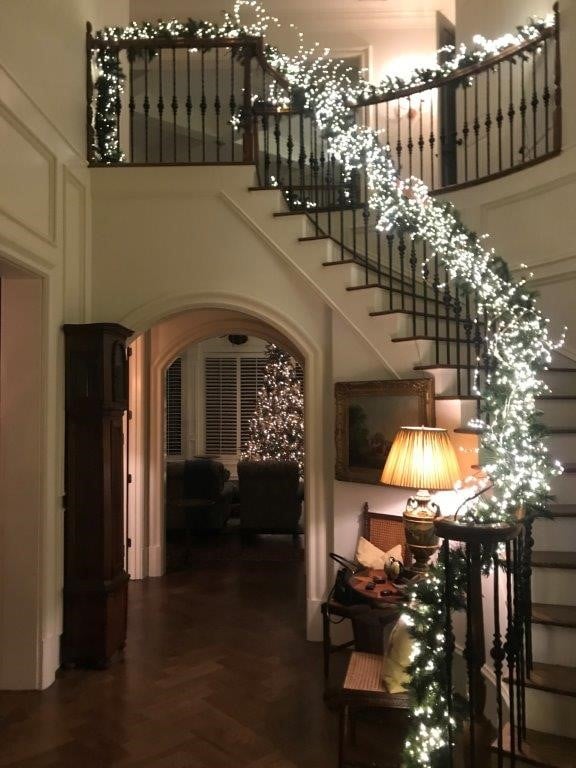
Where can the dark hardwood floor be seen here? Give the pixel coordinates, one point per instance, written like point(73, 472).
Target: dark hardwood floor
point(216, 674)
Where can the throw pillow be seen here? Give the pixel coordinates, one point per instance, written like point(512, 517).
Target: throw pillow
point(371, 556)
point(397, 659)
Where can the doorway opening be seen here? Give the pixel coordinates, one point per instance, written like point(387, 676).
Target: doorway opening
point(234, 453)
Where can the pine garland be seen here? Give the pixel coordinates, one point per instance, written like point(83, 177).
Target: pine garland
point(518, 343)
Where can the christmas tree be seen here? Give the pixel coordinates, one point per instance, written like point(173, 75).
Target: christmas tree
point(276, 431)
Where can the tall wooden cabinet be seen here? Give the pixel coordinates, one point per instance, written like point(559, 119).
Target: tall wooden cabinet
point(95, 579)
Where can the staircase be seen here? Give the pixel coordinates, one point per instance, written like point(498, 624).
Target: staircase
point(409, 349)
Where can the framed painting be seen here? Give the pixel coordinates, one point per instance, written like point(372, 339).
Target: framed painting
point(368, 415)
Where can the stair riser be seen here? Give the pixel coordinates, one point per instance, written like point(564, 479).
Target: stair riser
point(554, 645)
point(553, 586)
point(558, 413)
point(563, 487)
point(557, 535)
point(560, 383)
point(562, 447)
point(551, 712)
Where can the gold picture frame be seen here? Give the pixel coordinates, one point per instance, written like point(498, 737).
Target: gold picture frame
point(368, 415)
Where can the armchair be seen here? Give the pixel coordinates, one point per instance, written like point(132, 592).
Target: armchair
point(201, 479)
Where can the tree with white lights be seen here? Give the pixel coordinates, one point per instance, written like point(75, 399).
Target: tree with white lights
point(276, 431)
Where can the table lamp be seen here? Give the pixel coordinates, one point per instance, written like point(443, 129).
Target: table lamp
point(422, 458)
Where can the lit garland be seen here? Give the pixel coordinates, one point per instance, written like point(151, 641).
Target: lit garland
point(518, 343)
point(276, 431)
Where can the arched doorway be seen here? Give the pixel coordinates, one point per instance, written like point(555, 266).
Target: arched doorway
point(162, 335)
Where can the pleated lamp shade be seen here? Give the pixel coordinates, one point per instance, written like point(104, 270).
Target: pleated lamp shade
point(421, 457)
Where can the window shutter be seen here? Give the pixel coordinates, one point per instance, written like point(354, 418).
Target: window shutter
point(251, 379)
point(174, 408)
point(221, 406)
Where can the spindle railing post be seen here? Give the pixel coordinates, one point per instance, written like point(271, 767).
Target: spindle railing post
point(557, 118)
point(89, 95)
point(248, 148)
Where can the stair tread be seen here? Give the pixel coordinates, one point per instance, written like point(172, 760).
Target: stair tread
point(312, 238)
point(563, 510)
point(453, 366)
point(555, 678)
point(556, 615)
point(541, 749)
point(549, 559)
point(421, 337)
point(340, 261)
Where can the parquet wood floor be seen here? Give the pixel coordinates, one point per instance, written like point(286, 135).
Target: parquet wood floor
point(216, 674)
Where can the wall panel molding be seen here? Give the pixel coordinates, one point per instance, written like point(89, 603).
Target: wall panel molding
point(74, 272)
point(28, 183)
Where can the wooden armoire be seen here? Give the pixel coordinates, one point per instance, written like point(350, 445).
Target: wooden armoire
point(95, 578)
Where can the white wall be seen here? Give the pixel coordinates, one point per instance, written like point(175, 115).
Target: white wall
point(44, 230)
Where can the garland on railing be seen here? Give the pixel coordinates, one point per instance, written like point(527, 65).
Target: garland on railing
point(514, 453)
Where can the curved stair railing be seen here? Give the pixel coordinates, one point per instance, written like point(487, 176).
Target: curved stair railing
point(184, 100)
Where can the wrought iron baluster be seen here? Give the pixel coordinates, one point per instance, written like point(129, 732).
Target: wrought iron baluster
point(527, 576)
point(277, 135)
point(425, 276)
point(174, 105)
point(146, 103)
point(342, 200)
point(413, 264)
point(379, 255)
point(534, 101)
point(498, 655)
point(510, 655)
point(290, 150)
point(314, 172)
point(447, 300)
point(518, 631)
point(131, 101)
point(354, 184)
point(511, 110)
point(232, 103)
point(390, 242)
point(457, 314)
point(557, 81)
point(499, 115)
point(366, 220)
point(410, 142)
point(160, 107)
point(322, 177)
point(546, 99)
point(488, 120)
point(402, 253)
point(432, 142)
point(476, 128)
point(188, 106)
point(217, 102)
point(449, 647)
point(398, 138)
point(302, 158)
point(420, 139)
point(465, 131)
point(436, 287)
point(203, 101)
point(118, 105)
point(523, 108)
point(266, 137)
point(468, 325)
point(469, 655)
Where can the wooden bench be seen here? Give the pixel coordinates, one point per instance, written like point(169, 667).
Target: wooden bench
point(363, 689)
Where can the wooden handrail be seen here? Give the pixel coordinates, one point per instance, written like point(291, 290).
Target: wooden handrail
point(464, 72)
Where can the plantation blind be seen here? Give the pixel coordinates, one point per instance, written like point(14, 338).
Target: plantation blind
point(174, 408)
point(221, 400)
point(251, 379)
